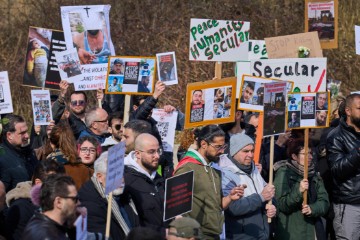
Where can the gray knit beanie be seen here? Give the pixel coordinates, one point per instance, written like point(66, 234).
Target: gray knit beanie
point(238, 142)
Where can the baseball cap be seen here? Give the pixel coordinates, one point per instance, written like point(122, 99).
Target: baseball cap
point(186, 228)
point(118, 61)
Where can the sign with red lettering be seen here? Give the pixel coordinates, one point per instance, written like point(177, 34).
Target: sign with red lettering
point(178, 195)
point(218, 40)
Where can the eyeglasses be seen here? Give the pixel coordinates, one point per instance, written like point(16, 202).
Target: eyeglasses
point(75, 199)
point(88, 150)
point(77, 103)
point(117, 127)
point(218, 148)
point(153, 151)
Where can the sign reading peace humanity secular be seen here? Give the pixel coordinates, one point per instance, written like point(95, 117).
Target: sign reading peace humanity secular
point(218, 40)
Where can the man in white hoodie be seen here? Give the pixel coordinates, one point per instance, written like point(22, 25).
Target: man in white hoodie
point(144, 184)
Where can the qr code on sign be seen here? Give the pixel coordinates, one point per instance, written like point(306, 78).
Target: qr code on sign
point(163, 128)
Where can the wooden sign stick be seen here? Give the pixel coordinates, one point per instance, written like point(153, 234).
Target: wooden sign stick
point(271, 167)
point(108, 217)
point(218, 70)
point(306, 161)
point(126, 108)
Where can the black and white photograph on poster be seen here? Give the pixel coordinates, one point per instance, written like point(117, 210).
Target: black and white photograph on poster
point(87, 28)
point(41, 105)
point(166, 124)
point(274, 108)
point(303, 112)
point(69, 65)
point(131, 75)
point(6, 105)
point(166, 65)
point(40, 66)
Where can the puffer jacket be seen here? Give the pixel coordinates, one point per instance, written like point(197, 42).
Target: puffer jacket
point(343, 156)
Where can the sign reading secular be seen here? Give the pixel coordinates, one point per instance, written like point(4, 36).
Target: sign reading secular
point(218, 40)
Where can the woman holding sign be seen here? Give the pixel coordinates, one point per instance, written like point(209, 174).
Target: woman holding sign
point(296, 220)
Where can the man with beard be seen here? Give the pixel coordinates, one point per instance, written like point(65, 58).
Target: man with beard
point(197, 106)
point(321, 118)
point(343, 153)
point(17, 158)
point(77, 106)
point(145, 186)
point(116, 129)
point(96, 120)
point(92, 196)
point(208, 200)
point(132, 129)
point(58, 202)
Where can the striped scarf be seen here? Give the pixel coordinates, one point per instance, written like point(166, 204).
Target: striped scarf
point(114, 206)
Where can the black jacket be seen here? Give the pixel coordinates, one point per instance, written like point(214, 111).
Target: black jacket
point(40, 227)
point(16, 164)
point(148, 196)
point(97, 212)
point(343, 156)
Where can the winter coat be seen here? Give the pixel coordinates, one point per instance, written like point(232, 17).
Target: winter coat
point(291, 223)
point(343, 153)
point(207, 196)
point(97, 212)
point(147, 192)
point(245, 218)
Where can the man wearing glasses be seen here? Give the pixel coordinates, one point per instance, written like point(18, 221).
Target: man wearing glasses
point(116, 129)
point(77, 106)
point(96, 120)
point(58, 202)
point(208, 199)
point(144, 184)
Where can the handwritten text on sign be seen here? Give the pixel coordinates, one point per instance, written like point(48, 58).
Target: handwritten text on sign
point(308, 74)
point(218, 40)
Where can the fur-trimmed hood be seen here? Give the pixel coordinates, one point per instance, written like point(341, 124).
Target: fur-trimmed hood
point(22, 190)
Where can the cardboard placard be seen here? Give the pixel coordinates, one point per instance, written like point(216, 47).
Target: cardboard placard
point(40, 67)
point(41, 105)
point(308, 74)
point(252, 92)
point(131, 75)
point(288, 46)
point(178, 195)
point(357, 39)
point(210, 102)
point(6, 105)
point(115, 167)
point(308, 110)
point(167, 70)
point(166, 124)
point(218, 40)
point(88, 29)
point(257, 50)
point(275, 95)
point(322, 16)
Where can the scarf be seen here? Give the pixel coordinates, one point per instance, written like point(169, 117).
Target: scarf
point(114, 206)
point(299, 169)
point(245, 168)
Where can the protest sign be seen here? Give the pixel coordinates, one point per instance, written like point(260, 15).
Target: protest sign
point(257, 50)
point(252, 92)
point(322, 16)
point(288, 46)
point(242, 68)
point(87, 28)
point(81, 227)
point(69, 65)
point(357, 39)
point(131, 75)
point(115, 167)
point(308, 74)
point(218, 40)
point(308, 110)
point(178, 195)
point(41, 105)
point(6, 105)
point(40, 66)
point(166, 65)
point(210, 102)
point(274, 108)
point(166, 124)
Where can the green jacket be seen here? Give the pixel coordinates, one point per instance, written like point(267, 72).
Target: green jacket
point(207, 196)
point(291, 223)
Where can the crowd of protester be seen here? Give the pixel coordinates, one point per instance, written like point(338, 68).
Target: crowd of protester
point(58, 172)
